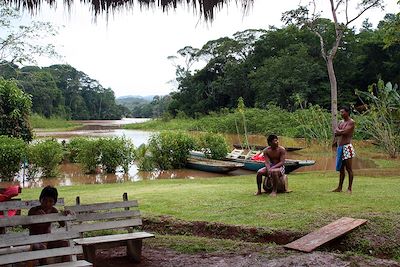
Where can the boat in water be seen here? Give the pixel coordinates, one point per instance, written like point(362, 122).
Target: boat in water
point(239, 156)
point(212, 165)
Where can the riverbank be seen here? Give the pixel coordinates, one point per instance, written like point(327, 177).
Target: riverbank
point(222, 203)
point(40, 123)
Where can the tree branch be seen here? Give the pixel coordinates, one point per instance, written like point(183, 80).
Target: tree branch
point(321, 40)
point(373, 4)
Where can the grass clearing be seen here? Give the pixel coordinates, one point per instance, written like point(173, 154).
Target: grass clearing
point(51, 124)
point(229, 199)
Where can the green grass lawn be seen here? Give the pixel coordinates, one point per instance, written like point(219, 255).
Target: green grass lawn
point(230, 200)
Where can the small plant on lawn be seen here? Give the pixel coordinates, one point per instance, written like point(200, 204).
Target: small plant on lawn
point(12, 153)
point(46, 155)
point(170, 150)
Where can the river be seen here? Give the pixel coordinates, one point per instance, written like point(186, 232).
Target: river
point(71, 174)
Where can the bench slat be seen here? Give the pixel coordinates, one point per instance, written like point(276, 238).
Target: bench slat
point(107, 215)
point(24, 204)
point(26, 220)
point(7, 241)
point(105, 225)
point(102, 206)
point(39, 254)
point(81, 263)
point(112, 238)
point(9, 250)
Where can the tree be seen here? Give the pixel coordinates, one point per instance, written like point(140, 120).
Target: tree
point(391, 28)
point(304, 17)
point(15, 106)
point(382, 119)
point(22, 44)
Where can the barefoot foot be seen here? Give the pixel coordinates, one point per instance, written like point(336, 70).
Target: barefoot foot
point(349, 191)
point(337, 190)
point(257, 193)
point(273, 194)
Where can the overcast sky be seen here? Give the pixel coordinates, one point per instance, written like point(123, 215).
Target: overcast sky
point(129, 53)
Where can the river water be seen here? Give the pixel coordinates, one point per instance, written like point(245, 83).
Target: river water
point(71, 174)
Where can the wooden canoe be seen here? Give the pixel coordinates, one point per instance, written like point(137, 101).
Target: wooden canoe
point(212, 165)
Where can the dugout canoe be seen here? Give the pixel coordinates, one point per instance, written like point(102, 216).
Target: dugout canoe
point(212, 165)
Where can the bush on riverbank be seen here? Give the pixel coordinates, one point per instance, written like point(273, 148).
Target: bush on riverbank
point(214, 146)
point(12, 153)
point(114, 152)
point(170, 150)
point(45, 155)
point(312, 123)
point(109, 153)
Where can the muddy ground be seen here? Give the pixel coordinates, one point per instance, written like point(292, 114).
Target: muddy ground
point(167, 258)
point(332, 254)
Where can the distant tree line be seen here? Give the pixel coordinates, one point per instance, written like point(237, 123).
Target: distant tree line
point(143, 108)
point(63, 91)
point(283, 67)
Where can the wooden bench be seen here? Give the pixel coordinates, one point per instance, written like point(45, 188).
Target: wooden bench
point(18, 204)
point(108, 216)
point(14, 244)
point(22, 207)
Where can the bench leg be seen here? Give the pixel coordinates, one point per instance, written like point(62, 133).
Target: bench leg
point(134, 249)
point(90, 253)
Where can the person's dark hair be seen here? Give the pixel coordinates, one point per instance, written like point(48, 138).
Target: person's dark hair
point(271, 138)
point(49, 191)
point(345, 108)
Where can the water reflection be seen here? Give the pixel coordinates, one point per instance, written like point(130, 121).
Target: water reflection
point(72, 174)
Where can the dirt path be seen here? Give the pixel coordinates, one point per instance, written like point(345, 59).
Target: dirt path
point(162, 257)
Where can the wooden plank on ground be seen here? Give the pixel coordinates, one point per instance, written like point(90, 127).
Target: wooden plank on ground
point(325, 234)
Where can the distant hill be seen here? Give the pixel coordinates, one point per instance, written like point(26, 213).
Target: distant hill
point(132, 102)
point(135, 103)
point(142, 106)
point(147, 97)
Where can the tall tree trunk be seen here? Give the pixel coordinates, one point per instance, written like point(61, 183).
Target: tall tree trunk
point(333, 83)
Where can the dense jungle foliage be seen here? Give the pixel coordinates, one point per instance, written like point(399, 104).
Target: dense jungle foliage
point(62, 91)
point(282, 67)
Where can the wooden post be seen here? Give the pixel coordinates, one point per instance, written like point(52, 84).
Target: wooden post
point(134, 249)
point(78, 200)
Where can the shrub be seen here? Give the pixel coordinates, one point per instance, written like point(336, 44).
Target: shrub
point(314, 124)
point(15, 106)
point(213, 145)
point(116, 151)
point(170, 150)
point(12, 153)
point(143, 158)
point(382, 119)
point(88, 154)
point(73, 147)
point(46, 155)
